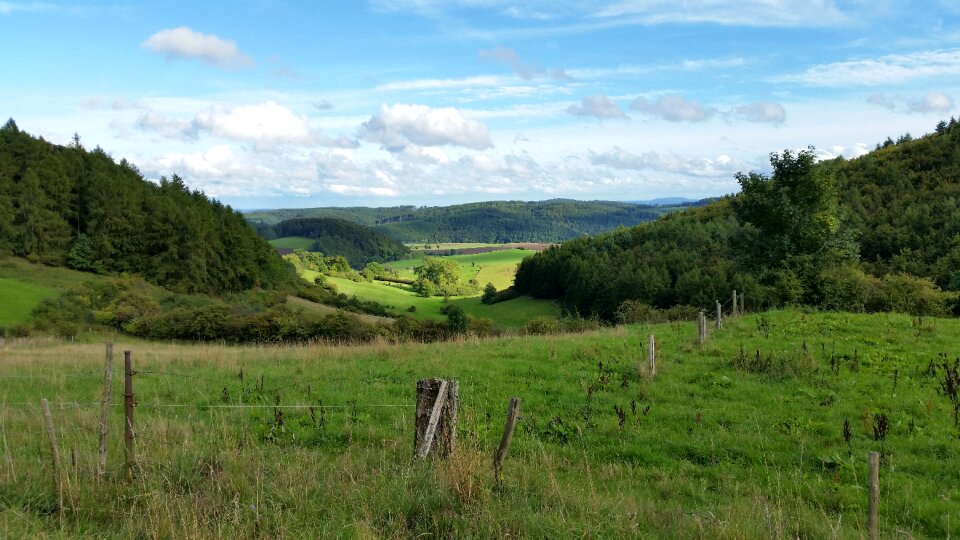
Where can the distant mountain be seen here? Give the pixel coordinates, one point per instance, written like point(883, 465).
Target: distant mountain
point(332, 236)
point(665, 201)
point(549, 221)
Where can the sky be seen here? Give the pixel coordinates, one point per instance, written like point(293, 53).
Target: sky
point(273, 104)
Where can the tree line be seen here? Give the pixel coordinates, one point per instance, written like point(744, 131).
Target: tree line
point(880, 232)
point(66, 205)
point(359, 244)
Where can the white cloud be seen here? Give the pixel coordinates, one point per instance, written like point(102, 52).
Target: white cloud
point(720, 166)
point(932, 103)
point(264, 124)
point(400, 125)
point(7, 8)
point(597, 106)
point(673, 108)
point(889, 69)
point(761, 112)
point(183, 42)
point(525, 71)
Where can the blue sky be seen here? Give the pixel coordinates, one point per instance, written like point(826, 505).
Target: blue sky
point(383, 102)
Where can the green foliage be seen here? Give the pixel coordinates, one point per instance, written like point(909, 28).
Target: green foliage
point(68, 205)
point(358, 244)
point(494, 222)
point(489, 294)
point(456, 320)
point(440, 277)
point(787, 239)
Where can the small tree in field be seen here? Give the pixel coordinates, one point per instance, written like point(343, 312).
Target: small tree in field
point(489, 294)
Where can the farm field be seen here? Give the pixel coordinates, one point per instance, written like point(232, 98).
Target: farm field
point(740, 438)
point(497, 267)
point(293, 242)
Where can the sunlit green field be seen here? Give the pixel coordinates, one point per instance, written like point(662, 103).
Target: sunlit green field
point(18, 298)
point(497, 267)
point(740, 438)
point(293, 242)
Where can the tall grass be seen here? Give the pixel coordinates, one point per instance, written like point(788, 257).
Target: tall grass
point(711, 448)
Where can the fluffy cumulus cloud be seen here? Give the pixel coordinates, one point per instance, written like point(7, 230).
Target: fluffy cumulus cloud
point(597, 106)
point(265, 123)
point(719, 166)
point(889, 69)
point(672, 108)
point(767, 112)
point(397, 126)
point(932, 103)
point(183, 42)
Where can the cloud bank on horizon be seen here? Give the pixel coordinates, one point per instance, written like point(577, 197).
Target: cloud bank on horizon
point(434, 102)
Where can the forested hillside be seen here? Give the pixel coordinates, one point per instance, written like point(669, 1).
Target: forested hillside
point(332, 236)
point(67, 206)
point(495, 222)
point(874, 233)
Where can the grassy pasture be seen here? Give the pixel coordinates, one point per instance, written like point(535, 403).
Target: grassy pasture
point(293, 242)
point(497, 267)
point(18, 298)
point(721, 444)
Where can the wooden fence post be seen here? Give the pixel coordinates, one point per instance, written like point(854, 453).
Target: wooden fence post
point(513, 411)
point(874, 520)
point(653, 357)
point(105, 412)
point(128, 415)
point(702, 327)
point(54, 452)
point(733, 310)
point(719, 316)
point(743, 308)
point(436, 417)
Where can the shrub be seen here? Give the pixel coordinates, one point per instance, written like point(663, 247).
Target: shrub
point(542, 325)
point(845, 288)
point(909, 294)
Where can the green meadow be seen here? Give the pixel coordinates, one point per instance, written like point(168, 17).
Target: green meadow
point(293, 242)
point(743, 437)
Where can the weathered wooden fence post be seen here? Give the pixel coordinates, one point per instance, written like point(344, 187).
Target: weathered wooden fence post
point(653, 357)
point(513, 411)
point(105, 412)
point(874, 520)
point(719, 316)
point(743, 308)
point(436, 417)
point(54, 452)
point(128, 415)
point(702, 327)
point(733, 310)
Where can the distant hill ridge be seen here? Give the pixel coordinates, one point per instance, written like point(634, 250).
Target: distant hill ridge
point(548, 221)
point(880, 232)
point(333, 236)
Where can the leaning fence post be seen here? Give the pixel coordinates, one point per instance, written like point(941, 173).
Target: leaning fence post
point(436, 417)
point(874, 520)
point(653, 357)
point(54, 452)
point(513, 411)
point(105, 412)
point(702, 327)
point(128, 415)
point(719, 316)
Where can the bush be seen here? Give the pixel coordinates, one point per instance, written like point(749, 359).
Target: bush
point(904, 293)
point(633, 311)
point(542, 325)
point(845, 288)
point(489, 293)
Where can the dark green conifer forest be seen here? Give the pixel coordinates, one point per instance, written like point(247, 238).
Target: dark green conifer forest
point(66, 205)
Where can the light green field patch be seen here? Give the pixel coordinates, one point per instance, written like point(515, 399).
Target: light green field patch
point(497, 267)
point(293, 242)
point(18, 298)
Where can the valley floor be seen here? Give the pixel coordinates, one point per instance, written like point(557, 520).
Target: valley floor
point(742, 437)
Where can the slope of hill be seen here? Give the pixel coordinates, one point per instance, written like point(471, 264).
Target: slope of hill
point(69, 206)
point(495, 222)
point(878, 232)
point(333, 236)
